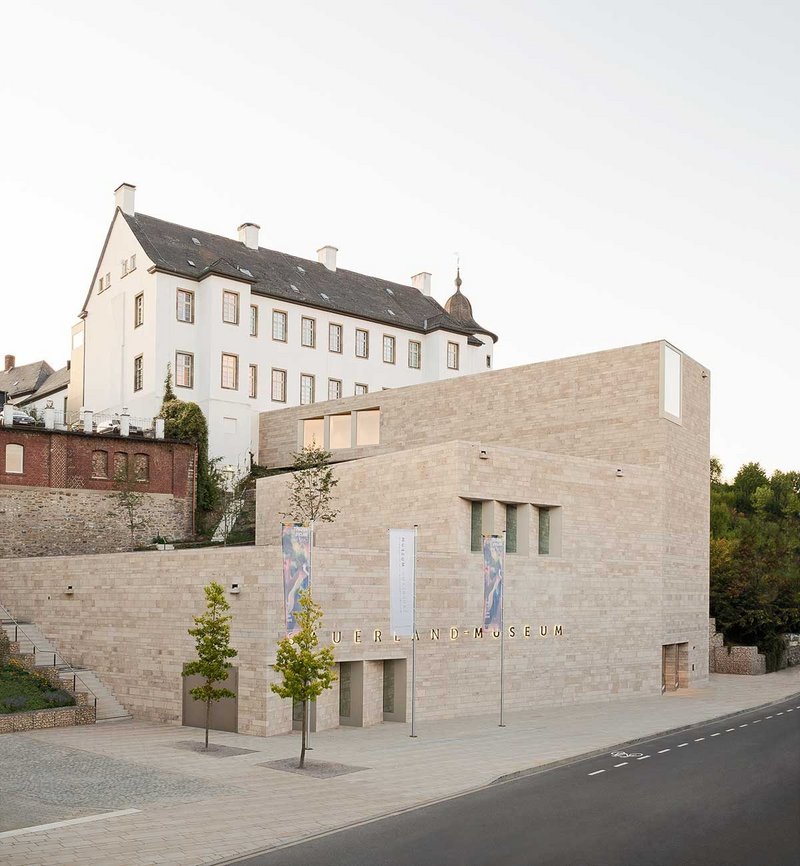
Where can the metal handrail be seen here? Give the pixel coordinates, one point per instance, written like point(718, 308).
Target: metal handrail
point(75, 678)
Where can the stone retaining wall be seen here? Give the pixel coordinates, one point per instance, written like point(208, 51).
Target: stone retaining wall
point(723, 659)
point(60, 717)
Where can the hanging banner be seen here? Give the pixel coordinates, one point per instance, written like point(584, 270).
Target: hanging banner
point(296, 544)
point(401, 581)
point(493, 556)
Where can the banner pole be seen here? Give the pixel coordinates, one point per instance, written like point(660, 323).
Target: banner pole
point(310, 578)
point(414, 640)
point(502, 632)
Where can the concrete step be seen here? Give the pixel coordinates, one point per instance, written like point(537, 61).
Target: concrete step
point(108, 707)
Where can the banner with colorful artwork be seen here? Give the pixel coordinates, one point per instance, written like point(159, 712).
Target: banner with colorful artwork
point(401, 581)
point(296, 544)
point(493, 568)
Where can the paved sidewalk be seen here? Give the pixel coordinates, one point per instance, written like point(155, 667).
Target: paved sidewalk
point(198, 809)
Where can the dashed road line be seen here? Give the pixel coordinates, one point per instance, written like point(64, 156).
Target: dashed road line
point(596, 772)
point(757, 721)
point(623, 764)
point(780, 714)
point(717, 734)
point(662, 751)
point(699, 739)
point(728, 730)
point(744, 725)
point(790, 710)
point(643, 758)
point(681, 745)
point(769, 717)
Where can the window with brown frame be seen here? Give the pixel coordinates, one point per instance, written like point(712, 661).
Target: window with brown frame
point(230, 372)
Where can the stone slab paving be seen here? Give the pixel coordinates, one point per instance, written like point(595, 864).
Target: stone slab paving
point(197, 809)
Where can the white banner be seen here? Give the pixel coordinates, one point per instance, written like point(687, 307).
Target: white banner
point(401, 581)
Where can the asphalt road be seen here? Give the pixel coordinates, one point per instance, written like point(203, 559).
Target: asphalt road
point(721, 794)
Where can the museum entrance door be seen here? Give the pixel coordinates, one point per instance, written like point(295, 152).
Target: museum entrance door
point(674, 666)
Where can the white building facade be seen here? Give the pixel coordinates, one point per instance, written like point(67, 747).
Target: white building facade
point(246, 330)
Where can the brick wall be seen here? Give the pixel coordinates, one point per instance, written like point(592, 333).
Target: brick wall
point(61, 504)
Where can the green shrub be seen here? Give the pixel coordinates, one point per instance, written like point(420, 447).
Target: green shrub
point(5, 647)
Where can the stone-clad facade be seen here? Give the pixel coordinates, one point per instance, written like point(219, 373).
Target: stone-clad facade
point(617, 595)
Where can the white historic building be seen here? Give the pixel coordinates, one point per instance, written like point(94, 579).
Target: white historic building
point(247, 329)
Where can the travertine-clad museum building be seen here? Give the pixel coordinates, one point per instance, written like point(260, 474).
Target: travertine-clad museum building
point(595, 467)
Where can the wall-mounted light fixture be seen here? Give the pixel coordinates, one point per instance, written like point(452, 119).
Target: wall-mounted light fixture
point(620, 473)
point(234, 590)
point(483, 454)
point(69, 590)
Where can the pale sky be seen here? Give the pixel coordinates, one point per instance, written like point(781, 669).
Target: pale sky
point(610, 172)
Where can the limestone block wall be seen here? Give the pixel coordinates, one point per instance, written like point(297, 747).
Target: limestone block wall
point(603, 405)
point(41, 521)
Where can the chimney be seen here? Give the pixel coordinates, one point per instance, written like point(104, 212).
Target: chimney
point(10, 361)
point(327, 257)
point(248, 235)
point(422, 282)
point(124, 196)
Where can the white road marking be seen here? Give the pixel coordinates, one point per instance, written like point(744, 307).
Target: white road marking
point(757, 721)
point(728, 730)
point(780, 714)
point(623, 764)
point(717, 734)
point(790, 710)
point(769, 717)
point(643, 758)
point(699, 739)
point(681, 745)
point(39, 828)
point(596, 772)
point(662, 751)
point(744, 725)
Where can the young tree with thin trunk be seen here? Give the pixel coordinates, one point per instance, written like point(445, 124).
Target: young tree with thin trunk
point(307, 671)
point(311, 487)
point(212, 634)
point(130, 502)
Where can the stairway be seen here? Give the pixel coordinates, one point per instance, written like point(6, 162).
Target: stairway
point(31, 640)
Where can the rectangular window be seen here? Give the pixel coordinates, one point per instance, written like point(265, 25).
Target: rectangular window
point(279, 385)
point(313, 432)
point(123, 268)
point(340, 431)
point(360, 389)
point(488, 360)
point(141, 467)
point(544, 530)
point(388, 349)
point(306, 389)
point(253, 320)
point(362, 343)
point(308, 336)
point(334, 338)
point(132, 263)
point(334, 389)
point(414, 354)
point(511, 528)
point(476, 526)
point(184, 369)
point(230, 371)
point(230, 308)
point(672, 382)
point(108, 279)
point(120, 466)
point(138, 310)
point(99, 464)
point(15, 459)
point(100, 285)
point(368, 427)
point(279, 325)
point(138, 373)
point(253, 381)
point(452, 356)
point(184, 301)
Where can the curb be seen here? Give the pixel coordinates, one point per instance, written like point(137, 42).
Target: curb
point(500, 780)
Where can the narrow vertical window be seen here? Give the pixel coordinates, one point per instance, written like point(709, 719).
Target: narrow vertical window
point(120, 466)
point(138, 373)
point(15, 459)
point(476, 526)
point(253, 320)
point(511, 528)
point(141, 467)
point(452, 356)
point(99, 464)
point(132, 263)
point(488, 360)
point(184, 304)
point(138, 310)
point(362, 343)
point(230, 371)
point(306, 389)
point(279, 386)
point(671, 395)
point(334, 338)
point(184, 369)
point(308, 335)
point(388, 349)
point(108, 279)
point(230, 308)
point(253, 381)
point(123, 268)
point(414, 354)
point(544, 530)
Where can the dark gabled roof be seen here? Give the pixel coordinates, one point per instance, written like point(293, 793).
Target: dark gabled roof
point(173, 248)
point(54, 382)
point(21, 381)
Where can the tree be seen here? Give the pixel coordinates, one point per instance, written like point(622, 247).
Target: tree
point(129, 501)
point(716, 470)
point(748, 479)
point(311, 486)
point(212, 634)
point(234, 490)
point(307, 672)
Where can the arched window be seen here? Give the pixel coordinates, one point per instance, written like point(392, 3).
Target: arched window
point(15, 459)
point(99, 464)
point(141, 467)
